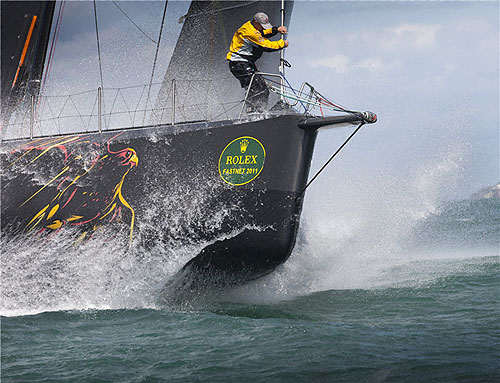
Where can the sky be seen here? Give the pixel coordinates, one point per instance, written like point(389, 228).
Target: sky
point(428, 69)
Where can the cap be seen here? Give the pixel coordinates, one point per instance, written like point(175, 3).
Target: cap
point(263, 20)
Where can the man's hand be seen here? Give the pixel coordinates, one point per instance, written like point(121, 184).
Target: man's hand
point(282, 30)
point(286, 43)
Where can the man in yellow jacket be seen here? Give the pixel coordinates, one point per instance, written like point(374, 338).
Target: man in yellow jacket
point(248, 44)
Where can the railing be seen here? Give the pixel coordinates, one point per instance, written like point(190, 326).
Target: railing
point(250, 86)
point(178, 101)
point(99, 110)
point(307, 98)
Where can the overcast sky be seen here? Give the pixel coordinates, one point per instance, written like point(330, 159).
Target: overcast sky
point(429, 70)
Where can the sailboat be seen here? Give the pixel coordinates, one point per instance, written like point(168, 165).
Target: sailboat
point(189, 172)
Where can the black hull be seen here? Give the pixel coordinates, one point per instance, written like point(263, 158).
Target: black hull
point(164, 184)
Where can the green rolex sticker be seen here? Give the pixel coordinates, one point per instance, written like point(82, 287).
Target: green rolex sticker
point(242, 160)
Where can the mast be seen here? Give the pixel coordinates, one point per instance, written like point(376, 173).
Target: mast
point(282, 53)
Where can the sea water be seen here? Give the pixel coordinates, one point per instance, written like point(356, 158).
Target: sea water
point(351, 304)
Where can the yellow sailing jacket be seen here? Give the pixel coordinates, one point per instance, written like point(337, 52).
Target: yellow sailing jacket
point(248, 43)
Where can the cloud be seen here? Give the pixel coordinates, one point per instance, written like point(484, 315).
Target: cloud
point(420, 36)
point(429, 70)
point(372, 63)
point(343, 64)
point(339, 63)
point(377, 49)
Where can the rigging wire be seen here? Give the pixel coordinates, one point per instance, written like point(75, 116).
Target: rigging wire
point(321, 101)
point(156, 57)
point(282, 71)
point(53, 45)
point(99, 53)
point(98, 45)
point(188, 16)
point(330, 160)
point(144, 33)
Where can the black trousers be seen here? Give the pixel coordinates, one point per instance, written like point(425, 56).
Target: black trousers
point(258, 94)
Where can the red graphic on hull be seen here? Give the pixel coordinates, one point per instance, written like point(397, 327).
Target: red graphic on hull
point(84, 188)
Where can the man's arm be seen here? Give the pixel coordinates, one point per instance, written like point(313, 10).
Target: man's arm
point(273, 31)
point(270, 32)
point(269, 46)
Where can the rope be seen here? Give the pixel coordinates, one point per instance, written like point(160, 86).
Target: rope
point(99, 56)
point(98, 45)
point(329, 160)
point(304, 101)
point(156, 56)
point(183, 18)
point(321, 101)
point(283, 74)
point(53, 45)
point(144, 33)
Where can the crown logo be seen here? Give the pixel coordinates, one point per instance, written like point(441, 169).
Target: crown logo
point(243, 145)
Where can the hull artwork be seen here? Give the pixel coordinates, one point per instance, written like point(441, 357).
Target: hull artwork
point(231, 186)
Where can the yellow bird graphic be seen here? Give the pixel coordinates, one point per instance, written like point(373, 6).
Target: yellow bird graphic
point(85, 191)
